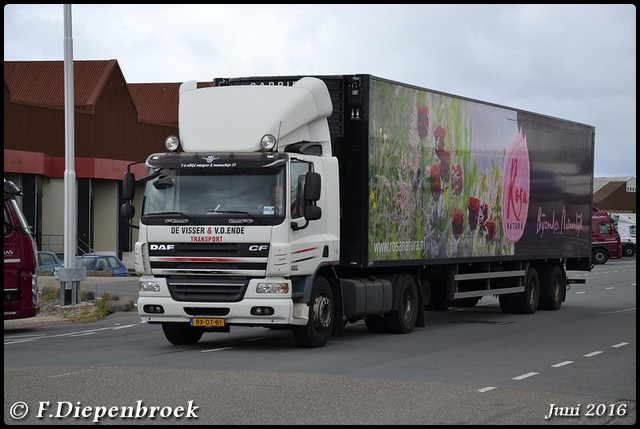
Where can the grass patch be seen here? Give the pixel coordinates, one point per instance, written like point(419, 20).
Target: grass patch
point(89, 309)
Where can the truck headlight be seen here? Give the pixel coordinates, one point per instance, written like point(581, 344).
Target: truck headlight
point(149, 286)
point(274, 287)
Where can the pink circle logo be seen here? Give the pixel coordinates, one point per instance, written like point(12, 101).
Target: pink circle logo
point(515, 189)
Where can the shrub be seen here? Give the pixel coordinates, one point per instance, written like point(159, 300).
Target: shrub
point(50, 294)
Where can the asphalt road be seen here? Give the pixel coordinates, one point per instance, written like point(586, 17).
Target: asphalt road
point(467, 366)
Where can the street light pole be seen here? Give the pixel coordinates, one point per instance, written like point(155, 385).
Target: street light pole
point(69, 276)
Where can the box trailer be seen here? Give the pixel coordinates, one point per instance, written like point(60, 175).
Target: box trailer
point(392, 199)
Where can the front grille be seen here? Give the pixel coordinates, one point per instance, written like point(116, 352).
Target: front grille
point(207, 290)
point(208, 258)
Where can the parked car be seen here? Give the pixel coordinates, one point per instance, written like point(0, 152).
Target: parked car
point(103, 263)
point(48, 261)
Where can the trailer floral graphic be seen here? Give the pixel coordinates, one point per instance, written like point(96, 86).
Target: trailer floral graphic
point(442, 172)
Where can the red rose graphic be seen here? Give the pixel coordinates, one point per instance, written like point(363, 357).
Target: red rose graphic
point(434, 179)
point(484, 216)
point(474, 209)
point(439, 134)
point(490, 224)
point(423, 121)
point(445, 163)
point(456, 223)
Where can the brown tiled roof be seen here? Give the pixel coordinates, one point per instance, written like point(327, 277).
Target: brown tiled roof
point(156, 102)
point(41, 83)
point(604, 192)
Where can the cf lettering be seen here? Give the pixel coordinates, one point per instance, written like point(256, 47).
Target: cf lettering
point(258, 248)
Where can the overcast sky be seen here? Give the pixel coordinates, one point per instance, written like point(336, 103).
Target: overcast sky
point(576, 62)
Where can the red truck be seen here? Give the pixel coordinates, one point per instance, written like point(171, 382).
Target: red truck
point(605, 239)
point(20, 259)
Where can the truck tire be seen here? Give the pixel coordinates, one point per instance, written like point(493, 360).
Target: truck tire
point(599, 256)
point(182, 334)
point(551, 288)
point(318, 329)
point(403, 320)
point(628, 250)
point(527, 302)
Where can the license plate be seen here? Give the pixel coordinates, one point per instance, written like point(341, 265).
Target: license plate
point(207, 322)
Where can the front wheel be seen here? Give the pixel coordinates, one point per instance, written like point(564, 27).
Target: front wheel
point(318, 329)
point(599, 256)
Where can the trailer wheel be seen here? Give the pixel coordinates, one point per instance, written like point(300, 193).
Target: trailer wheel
point(374, 324)
point(599, 256)
point(527, 302)
point(403, 320)
point(318, 329)
point(551, 288)
point(182, 334)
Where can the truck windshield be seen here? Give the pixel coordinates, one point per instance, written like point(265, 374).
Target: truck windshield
point(195, 193)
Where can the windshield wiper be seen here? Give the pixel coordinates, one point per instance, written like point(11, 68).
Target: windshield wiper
point(237, 212)
point(156, 214)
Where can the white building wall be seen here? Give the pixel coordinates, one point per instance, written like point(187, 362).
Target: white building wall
point(105, 216)
point(53, 215)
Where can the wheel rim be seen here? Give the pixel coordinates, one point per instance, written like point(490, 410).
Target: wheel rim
point(556, 290)
point(322, 312)
point(533, 291)
point(407, 306)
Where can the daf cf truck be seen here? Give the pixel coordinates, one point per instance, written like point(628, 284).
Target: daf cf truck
point(391, 200)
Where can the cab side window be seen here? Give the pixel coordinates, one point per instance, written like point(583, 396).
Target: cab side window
point(605, 228)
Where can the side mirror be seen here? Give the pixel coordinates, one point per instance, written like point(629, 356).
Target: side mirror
point(312, 212)
point(127, 211)
point(128, 186)
point(313, 183)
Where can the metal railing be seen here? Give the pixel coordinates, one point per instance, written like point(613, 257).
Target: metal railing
point(55, 243)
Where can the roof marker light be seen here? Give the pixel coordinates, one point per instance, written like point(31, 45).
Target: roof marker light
point(172, 143)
